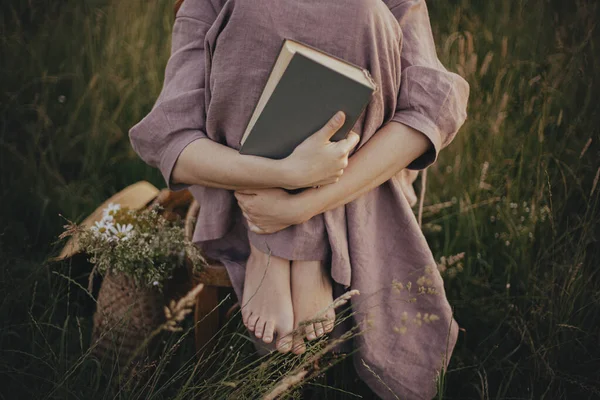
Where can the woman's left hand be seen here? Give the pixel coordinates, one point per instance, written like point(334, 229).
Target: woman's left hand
point(270, 210)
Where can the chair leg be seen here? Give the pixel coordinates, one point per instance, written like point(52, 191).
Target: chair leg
point(232, 310)
point(206, 316)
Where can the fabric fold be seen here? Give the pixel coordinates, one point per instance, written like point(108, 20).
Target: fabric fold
point(431, 99)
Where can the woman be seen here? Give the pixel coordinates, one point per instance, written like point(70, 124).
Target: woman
point(286, 253)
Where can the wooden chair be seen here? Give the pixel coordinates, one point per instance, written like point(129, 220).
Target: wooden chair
point(207, 319)
point(213, 276)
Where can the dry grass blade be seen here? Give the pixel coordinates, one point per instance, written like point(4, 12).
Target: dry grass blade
point(338, 302)
point(585, 148)
point(286, 384)
point(343, 299)
point(175, 312)
point(595, 182)
point(70, 229)
point(379, 378)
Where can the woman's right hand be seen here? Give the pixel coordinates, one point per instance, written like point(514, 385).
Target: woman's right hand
point(317, 161)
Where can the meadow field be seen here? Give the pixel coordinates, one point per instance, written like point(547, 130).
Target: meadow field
point(512, 211)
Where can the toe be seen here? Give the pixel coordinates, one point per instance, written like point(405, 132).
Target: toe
point(329, 322)
point(260, 328)
point(319, 330)
point(310, 332)
point(298, 346)
point(328, 325)
point(245, 316)
point(285, 342)
point(252, 320)
point(267, 335)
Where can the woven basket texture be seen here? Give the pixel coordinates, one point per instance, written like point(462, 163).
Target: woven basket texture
point(125, 316)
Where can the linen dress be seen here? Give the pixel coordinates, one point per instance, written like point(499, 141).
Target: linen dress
point(222, 54)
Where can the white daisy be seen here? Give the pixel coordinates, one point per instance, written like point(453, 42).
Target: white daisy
point(110, 210)
point(122, 232)
point(102, 228)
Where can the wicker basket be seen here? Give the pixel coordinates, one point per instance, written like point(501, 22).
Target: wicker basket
point(126, 314)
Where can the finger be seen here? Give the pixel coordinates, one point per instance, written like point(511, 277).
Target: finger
point(246, 216)
point(348, 143)
point(255, 228)
point(326, 182)
point(240, 197)
point(331, 127)
point(243, 196)
point(243, 207)
point(246, 192)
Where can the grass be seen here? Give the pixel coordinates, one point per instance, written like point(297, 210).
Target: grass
point(516, 192)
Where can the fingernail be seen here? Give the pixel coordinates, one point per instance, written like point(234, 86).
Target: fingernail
point(338, 117)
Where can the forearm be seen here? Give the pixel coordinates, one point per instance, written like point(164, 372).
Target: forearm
point(389, 151)
point(207, 163)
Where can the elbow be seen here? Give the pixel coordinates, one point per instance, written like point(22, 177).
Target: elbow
point(453, 112)
point(139, 138)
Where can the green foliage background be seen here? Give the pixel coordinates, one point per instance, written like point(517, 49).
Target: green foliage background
point(516, 191)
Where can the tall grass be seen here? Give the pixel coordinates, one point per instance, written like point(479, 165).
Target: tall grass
point(517, 192)
point(520, 179)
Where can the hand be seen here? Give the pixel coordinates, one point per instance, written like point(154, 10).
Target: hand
point(270, 210)
point(318, 161)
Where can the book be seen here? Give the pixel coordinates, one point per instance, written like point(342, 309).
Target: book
point(306, 87)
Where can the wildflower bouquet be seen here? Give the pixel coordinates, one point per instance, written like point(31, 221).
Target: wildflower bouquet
point(139, 243)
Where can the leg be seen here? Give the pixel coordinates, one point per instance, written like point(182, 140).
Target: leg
point(267, 302)
point(312, 293)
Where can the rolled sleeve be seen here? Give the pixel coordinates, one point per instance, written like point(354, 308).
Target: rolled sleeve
point(179, 115)
point(431, 99)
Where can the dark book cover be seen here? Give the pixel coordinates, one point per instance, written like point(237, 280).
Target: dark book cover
point(305, 98)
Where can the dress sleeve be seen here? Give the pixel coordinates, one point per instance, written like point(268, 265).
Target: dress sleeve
point(178, 117)
point(431, 100)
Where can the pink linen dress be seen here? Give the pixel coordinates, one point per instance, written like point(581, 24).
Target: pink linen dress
point(222, 53)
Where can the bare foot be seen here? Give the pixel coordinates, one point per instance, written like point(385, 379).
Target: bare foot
point(311, 294)
point(267, 300)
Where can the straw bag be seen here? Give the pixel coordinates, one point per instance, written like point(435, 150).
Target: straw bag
point(126, 314)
